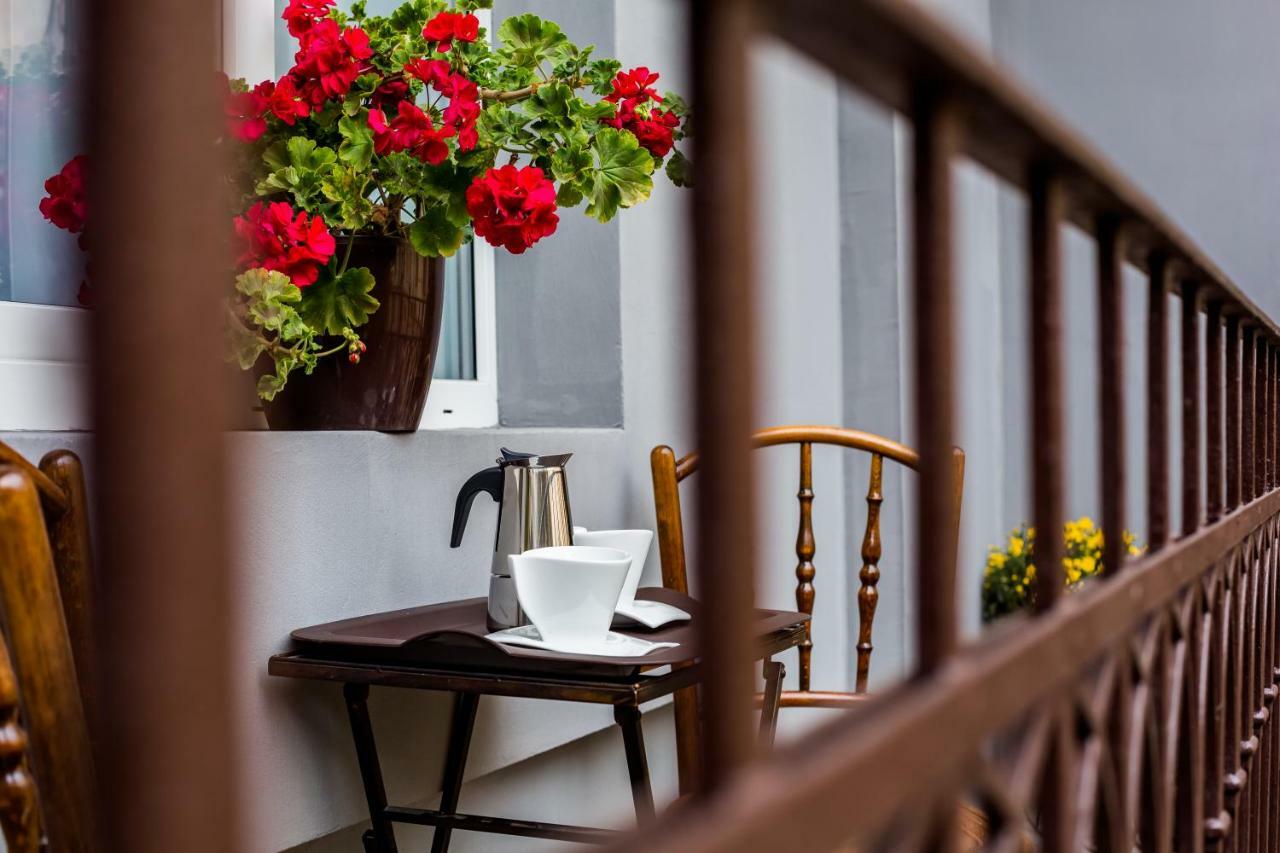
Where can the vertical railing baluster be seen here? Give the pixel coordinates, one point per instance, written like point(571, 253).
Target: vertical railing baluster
point(1268, 472)
point(723, 302)
point(1111, 391)
point(1232, 441)
point(1213, 415)
point(1275, 409)
point(167, 752)
point(1247, 416)
point(1259, 407)
point(1264, 409)
point(1048, 449)
point(1190, 344)
point(1048, 461)
point(1260, 414)
point(936, 141)
point(1158, 404)
point(1271, 414)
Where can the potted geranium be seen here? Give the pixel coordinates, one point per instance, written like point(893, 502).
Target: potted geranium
point(391, 142)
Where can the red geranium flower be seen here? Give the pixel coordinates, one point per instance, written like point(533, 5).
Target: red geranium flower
point(513, 208)
point(653, 128)
point(389, 93)
point(276, 239)
point(445, 27)
point(65, 205)
point(464, 97)
point(654, 133)
point(301, 15)
point(411, 130)
point(330, 60)
point(285, 100)
point(244, 112)
point(429, 71)
point(634, 87)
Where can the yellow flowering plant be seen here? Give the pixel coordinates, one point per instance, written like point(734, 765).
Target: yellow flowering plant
point(1008, 580)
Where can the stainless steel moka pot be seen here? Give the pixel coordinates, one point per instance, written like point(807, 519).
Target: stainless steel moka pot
point(533, 512)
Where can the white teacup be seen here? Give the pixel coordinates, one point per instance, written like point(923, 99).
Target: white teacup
point(570, 591)
point(635, 542)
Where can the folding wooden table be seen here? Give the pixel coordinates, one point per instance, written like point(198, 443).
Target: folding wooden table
point(442, 647)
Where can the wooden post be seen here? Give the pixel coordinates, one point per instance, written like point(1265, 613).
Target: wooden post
point(159, 216)
point(1190, 344)
point(936, 140)
point(1111, 391)
point(1048, 414)
point(724, 302)
point(1158, 405)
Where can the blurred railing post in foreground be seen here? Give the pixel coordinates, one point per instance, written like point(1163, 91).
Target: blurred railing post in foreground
point(157, 221)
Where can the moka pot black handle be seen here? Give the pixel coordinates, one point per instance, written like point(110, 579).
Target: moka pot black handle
point(489, 480)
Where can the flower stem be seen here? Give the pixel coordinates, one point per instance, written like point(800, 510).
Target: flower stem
point(346, 258)
point(520, 94)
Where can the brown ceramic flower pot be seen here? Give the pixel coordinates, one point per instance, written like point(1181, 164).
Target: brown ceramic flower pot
point(387, 390)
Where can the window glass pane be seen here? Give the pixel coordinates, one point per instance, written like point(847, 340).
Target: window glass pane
point(457, 359)
point(40, 103)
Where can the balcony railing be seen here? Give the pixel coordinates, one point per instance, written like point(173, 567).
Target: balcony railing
point(1134, 714)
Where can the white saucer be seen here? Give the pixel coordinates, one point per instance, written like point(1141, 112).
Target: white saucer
point(614, 645)
point(651, 614)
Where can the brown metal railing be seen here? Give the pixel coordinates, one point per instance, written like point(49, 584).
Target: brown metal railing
point(1133, 714)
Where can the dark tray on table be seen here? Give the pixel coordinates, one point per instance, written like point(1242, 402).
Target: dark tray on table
point(452, 635)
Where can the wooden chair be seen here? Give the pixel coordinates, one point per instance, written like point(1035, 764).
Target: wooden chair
point(45, 597)
point(669, 472)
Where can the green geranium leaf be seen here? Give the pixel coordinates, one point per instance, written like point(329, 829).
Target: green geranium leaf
point(243, 344)
point(568, 196)
point(298, 167)
point(436, 234)
point(568, 163)
point(600, 75)
point(337, 302)
point(304, 154)
point(345, 186)
point(673, 103)
point(270, 300)
point(621, 176)
point(550, 102)
point(527, 39)
point(680, 170)
point(357, 141)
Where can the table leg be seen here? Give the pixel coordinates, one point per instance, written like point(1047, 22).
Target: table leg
point(455, 763)
point(628, 719)
point(773, 674)
point(381, 839)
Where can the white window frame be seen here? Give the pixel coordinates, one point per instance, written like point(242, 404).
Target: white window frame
point(249, 52)
point(44, 367)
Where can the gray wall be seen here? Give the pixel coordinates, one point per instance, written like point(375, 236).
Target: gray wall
point(559, 329)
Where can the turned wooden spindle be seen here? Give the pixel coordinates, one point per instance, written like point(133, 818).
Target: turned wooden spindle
point(805, 549)
point(19, 814)
point(868, 594)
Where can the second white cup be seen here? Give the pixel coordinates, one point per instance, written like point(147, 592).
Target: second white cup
point(635, 542)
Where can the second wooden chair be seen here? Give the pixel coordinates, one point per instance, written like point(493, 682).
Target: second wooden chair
point(669, 472)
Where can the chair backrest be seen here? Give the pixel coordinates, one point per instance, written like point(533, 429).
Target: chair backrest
point(669, 472)
point(45, 597)
point(19, 811)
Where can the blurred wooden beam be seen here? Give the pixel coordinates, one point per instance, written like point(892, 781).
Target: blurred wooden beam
point(724, 303)
point(159, 407)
